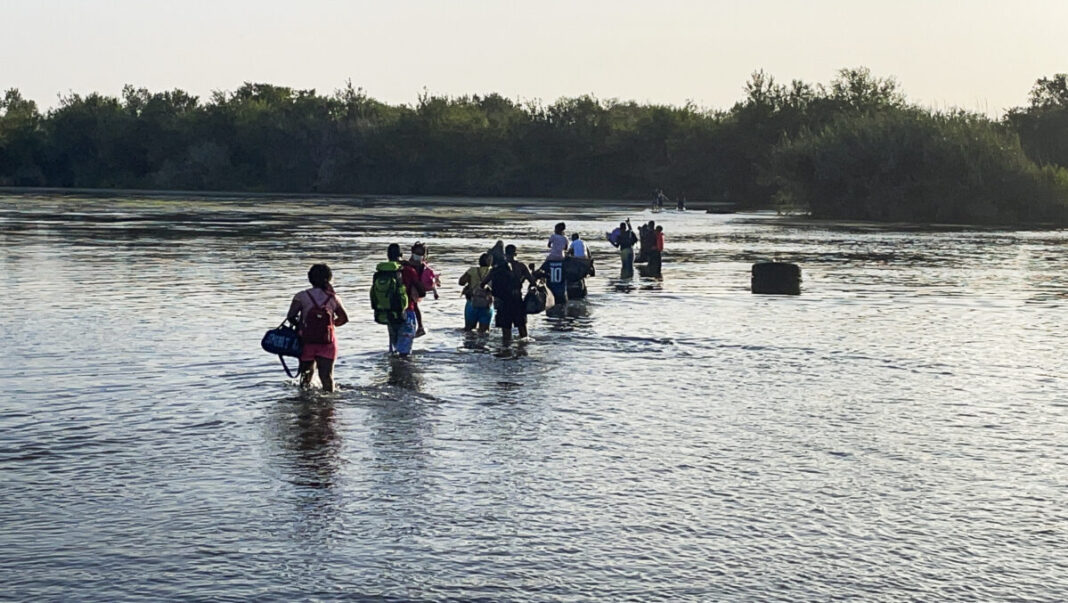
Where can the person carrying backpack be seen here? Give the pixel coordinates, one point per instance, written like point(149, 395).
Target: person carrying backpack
point(479, 308)
point(506, 281)
point(625, 241)
point(393, 289)
point(316, 313)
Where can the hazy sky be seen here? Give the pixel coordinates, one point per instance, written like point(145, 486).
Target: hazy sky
point(975, 55)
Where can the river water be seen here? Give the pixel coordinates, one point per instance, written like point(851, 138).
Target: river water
point(897, 432)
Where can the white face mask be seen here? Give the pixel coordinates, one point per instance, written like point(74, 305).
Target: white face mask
point(417, 258)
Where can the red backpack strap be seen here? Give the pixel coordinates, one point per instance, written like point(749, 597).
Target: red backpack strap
point(321, 306)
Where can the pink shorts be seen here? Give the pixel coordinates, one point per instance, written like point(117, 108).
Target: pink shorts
point(311, 351)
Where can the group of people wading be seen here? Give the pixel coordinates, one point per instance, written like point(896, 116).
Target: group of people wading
point(500, 289)
point(650, 241)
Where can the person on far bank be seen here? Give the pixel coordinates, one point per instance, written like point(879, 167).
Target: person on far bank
point(557, 244)
point(479, 308)
point(317, 312)
point(506, 282)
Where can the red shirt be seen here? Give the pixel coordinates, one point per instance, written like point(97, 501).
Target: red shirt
point(660, 241)
point(412, 282)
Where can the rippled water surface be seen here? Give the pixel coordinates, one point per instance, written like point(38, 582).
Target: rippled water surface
point(897, 432)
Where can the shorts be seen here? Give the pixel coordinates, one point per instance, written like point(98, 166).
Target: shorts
point(511, 312)
point(311, 351)
point(482, 316)
point(559, 291)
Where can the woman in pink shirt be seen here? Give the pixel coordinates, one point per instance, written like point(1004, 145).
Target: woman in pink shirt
point(316, 312)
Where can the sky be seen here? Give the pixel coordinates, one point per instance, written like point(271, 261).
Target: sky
point(975, 55)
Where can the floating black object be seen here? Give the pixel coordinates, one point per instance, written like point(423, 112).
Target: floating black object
point(576, 269)
point(776, 278)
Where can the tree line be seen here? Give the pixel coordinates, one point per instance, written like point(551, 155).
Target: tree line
point(853, 148)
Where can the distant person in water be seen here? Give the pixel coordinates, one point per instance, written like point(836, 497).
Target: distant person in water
point(646, 239)
point(394, 286)
point(430, 278)
point(624, 239)
point(557, 244)
point(660, 199)
point(316, 312)
point(580, 252)
point(506, 281)
point(656, 252)
point(680, 203)
point(417, 262)
point(578, 247)
point(552, 270)
point(479, 308)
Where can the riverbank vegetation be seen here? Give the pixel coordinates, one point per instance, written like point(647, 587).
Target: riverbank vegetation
point(854, 148)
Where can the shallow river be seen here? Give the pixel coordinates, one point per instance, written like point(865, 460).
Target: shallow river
point(897, 432)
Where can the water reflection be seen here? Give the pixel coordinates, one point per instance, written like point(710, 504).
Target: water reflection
point(303, 429)
point(405, 373)
point(401, 428)
point(514, 350)
point(571, 316)
point(623, 284)
point(477, 342)
point(305, 432)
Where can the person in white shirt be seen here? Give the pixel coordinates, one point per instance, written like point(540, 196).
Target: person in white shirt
point(557, 244)
point(578, 246)
point(581, 252)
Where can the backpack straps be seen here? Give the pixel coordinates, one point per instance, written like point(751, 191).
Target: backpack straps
point(395, 304)
point(316, 304)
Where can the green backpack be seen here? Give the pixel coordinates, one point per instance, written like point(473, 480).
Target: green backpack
point(389, 296)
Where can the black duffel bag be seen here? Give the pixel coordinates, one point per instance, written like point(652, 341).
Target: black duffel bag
point(284, 341)
point(538, 299)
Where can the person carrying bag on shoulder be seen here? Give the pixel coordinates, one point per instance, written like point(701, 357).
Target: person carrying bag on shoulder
point(317, 312)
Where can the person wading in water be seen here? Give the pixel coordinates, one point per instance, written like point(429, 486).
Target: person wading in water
point(316, 312)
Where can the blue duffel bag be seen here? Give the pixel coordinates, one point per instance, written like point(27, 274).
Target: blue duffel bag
point(284, 341)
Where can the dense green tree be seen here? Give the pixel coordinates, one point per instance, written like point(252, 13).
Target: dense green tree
point(21, 142)
point(853, 147)
point(1043, 126)
point(911, 165)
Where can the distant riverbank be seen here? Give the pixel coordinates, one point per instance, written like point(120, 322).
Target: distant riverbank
point(590, 203)
point(798, 219)
point(853, 149)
